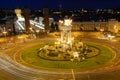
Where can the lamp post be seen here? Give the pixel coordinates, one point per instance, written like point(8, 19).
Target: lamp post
point(30, 29)
point(5, 34)
point(37, 31)
point(101, 31)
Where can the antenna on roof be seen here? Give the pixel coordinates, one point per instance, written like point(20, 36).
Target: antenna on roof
point(60, 5)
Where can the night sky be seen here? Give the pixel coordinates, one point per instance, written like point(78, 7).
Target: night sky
point(66, 4)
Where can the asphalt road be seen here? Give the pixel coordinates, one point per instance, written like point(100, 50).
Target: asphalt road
point(11, 67)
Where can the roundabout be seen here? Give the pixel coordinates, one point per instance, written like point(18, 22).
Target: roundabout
point(23, 66)
point(67, 52)
point(95, 57)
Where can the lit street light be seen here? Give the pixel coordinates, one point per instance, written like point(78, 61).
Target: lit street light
point(37, 31)
point(31, 35)
point(5, 34)
point(101, 31)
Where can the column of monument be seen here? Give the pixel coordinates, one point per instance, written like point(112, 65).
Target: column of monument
point(46, 19)
point(26, 13)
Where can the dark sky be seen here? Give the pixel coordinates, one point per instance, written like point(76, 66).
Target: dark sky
point(66, 4)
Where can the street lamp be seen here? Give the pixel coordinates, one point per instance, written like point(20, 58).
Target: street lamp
point(101, 31)
point(37, 31)
point(30, 32)
point(5, 34)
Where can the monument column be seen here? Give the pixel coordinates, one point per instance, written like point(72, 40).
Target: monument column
point(46, 19)
point(27, 18)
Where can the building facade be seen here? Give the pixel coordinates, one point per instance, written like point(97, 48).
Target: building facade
point(111, 25)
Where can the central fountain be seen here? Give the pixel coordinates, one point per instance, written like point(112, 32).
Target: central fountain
point(65, 48)
point(66, 40)
point(65, 28)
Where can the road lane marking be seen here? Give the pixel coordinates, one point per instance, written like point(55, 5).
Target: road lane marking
point(73, 75)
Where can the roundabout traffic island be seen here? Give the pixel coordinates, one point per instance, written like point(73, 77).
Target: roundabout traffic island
point(78, 52)
point(47, 55)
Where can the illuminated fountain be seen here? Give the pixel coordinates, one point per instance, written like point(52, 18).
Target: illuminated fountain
point(65, 28)
point(66, 48)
